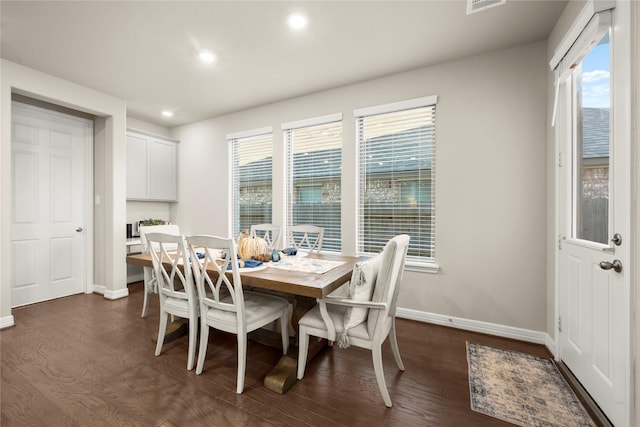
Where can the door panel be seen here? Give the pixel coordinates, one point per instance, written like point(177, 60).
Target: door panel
point(588, 341)
point(49, 164)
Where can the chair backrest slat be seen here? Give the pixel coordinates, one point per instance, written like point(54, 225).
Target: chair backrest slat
point(173, 281)
point(215, 286)
point(306, 237)
point(165, 229)
point(269, 232)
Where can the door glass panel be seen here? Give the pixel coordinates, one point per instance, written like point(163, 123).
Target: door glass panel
point(591, 144)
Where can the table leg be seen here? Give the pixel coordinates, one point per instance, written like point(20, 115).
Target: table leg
point(283, 376)
point(176, 329)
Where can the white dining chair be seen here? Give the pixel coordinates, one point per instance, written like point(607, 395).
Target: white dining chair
point(306, 237)
point(176, 289)
point(366, 317)
point(224, 305)
point(269, 232)
point(150, 283)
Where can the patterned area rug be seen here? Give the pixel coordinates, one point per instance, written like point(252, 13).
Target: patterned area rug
point(521, 389)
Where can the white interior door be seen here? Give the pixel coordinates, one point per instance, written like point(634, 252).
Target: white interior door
point(48, 220)
point(594, 222)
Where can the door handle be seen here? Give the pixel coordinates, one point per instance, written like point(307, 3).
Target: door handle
point(616, 265)
point(79, 229)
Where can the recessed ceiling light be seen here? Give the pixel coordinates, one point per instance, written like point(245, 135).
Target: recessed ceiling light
point(206, 56)
point(297, 21)
point(167, 113)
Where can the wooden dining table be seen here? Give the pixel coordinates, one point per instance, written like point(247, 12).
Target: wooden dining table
point(301, 289)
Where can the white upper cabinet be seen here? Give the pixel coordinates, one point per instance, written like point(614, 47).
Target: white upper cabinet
point(152, 167)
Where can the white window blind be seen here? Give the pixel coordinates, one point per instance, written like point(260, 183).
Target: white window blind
point(314, 158)
point(251, 173)
point(396, 167)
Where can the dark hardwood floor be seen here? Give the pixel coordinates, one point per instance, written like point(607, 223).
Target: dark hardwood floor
point(88, 361)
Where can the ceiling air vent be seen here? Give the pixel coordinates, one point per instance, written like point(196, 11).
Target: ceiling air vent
point(474, 6)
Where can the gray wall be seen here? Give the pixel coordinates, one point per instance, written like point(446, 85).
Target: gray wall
point(490, 179)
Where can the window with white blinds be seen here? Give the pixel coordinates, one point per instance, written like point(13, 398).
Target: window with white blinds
point(396, 167)
point(314, 159)
point(251, 172)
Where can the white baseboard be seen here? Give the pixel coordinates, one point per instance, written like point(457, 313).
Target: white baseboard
point(504, 331)
point(7, 321)
point(135, 278)
point(120, 293)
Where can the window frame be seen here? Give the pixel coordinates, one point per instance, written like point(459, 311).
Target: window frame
point(234, 202)
point(289, 196)
point(414, 263)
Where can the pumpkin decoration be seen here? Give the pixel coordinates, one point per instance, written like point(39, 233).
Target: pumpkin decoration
point(252, 247)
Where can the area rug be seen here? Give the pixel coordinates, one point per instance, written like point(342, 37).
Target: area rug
point(522, 389)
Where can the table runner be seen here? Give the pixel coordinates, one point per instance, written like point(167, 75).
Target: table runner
point(304, 264)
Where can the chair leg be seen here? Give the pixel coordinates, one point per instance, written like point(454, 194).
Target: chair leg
point(303, 349)
point(284, 330)
point(193, 335)
point(162, 330)
point(394, 345)
point(202, 351)
point(242, 361)
point(145, 303)
point(376, 354)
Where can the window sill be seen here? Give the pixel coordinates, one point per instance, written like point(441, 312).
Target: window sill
point(422, 267)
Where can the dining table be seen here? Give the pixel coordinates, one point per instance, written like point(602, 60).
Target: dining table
point(301, 282)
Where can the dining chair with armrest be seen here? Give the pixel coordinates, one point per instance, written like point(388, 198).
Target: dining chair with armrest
point(306, 237)
point(367, 316)
point(269, 232)
point(224, 305)
point(150, 283)
point(177, 292)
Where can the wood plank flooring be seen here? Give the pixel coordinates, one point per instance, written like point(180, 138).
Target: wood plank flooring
point(88, 361)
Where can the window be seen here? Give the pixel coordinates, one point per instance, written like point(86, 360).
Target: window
point(583, 66)
point(251, 173)
point(396, 167)
point(314, 159)
point(591, 105)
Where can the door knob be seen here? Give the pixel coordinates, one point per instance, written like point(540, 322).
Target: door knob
point(616, 265)
point(79, 229)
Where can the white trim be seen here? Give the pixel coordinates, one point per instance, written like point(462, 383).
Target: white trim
point(590, 8)
point(135, 278)
point(249, 133)
point(396, 106)
point(88, 171)
point(108, 294)
point(89, 199)
point(422, 267)
point(7, 321)
point(313, 121)
point(153, 135)
point(528, 335)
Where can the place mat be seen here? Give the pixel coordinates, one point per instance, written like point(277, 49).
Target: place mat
point(522, 389)
point(305, 265)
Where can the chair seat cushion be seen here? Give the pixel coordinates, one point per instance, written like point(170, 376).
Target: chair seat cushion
point(177, 306)
point(257, 306)
point(313, 319)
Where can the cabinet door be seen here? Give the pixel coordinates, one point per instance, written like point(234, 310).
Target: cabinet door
point(163, 177)
point(137, 187)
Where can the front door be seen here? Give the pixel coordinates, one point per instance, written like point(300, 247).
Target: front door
point(594, 216)
point(48, 220)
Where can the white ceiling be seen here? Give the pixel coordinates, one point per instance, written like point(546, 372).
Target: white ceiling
point(145, 52)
